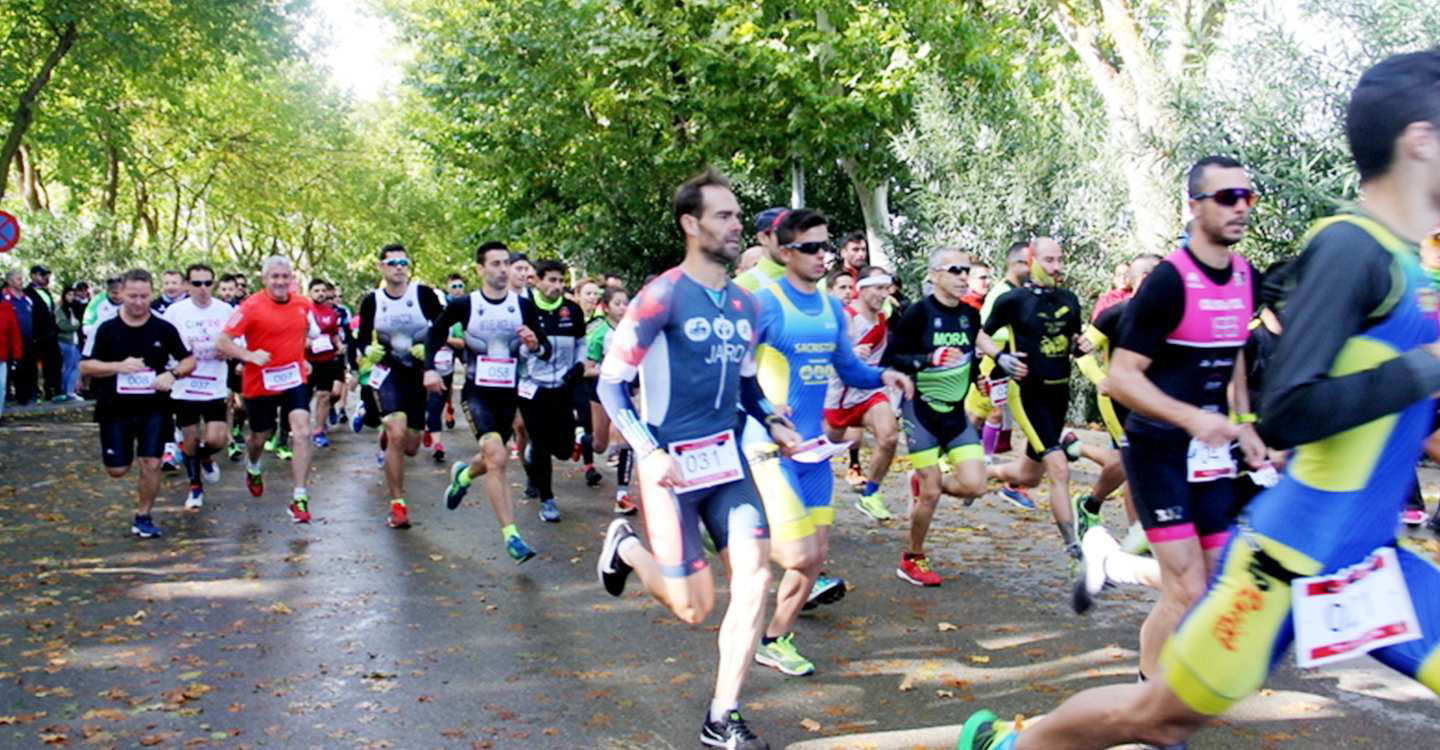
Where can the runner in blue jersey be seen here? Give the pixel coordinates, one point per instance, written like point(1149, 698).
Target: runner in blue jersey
point(689, 335)
point(1350, 386)
point(802, 340)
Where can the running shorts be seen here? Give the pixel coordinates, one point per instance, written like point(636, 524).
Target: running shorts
point(490, 410)
point(1240, 629)
point(403, 392)
point(796, 496)
point(1171, 507)
point(234, 379)
point(141, 434)
point(930, 433)
point(372, 407)
point(188, 413)
point(854, 416)
point(324, 375)
point(1039, 409)
point(728, 511)
point(550, 420)
point(264, 410)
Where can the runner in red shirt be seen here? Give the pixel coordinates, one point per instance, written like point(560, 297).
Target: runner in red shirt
point(327, 367)
point(274, 323)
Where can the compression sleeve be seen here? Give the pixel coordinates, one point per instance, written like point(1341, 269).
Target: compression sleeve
point(439, 333)
point(752, 399)
point(1000, 313)
point(852, 371)
point(644, 321)
point(1343, 276)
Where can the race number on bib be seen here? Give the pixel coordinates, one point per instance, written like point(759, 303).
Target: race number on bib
point(202, 387)
point(999, 392)
point(321, 344)
point(378, 375)
point(137, 383)
point(707, 461)
point(1352, 612)
point(527, 390)
point(445, 361)
point(493, 372)
point(1207, 463)
point(281, 378)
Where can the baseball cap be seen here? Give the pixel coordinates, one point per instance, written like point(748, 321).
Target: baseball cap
point(769, 219)
point(37, 268)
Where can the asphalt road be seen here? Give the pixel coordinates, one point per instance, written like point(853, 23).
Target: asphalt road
point(240, 629)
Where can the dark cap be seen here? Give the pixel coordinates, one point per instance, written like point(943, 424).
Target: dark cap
point(37, 268)
point(769, 219)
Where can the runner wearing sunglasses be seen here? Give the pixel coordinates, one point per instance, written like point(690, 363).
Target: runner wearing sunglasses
point(200, 396)
point(985, 403)
point(397, 316)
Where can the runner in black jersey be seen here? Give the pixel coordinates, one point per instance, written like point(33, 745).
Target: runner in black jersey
point(547, 385)
point(496, 324)
point(936, 340)
point(1044, 322)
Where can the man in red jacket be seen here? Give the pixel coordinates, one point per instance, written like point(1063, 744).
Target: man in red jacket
point(11, 346)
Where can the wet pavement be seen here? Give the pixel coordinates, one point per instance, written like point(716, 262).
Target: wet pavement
point(240, 629)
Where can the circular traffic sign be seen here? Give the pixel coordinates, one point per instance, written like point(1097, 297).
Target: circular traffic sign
point(9, 231)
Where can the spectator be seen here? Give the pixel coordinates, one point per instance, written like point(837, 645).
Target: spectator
point(854, 253)
point(1119, 290)
point(45, 332)
point(24, 308)
point(12, 348)
point(67, 321)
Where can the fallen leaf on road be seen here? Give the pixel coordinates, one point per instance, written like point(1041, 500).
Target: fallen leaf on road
point(279, 608)
point(944, 693)
point(810, 725)
point(946, 627)
point(980, 659)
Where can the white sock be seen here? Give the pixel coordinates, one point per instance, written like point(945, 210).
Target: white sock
point(718, 710)
point(1123, 567)
point(252, 466)
point(300, 493)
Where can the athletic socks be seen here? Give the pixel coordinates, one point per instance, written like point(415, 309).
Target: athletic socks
point(1092, 504)
point(871, 487)
point(509, 532)
point(300, 493)
point(855, 456)
point(587, 450)
point(989, 435)
point(623, 466)
point(192, 468)
point(253, 466)
point(718, 711)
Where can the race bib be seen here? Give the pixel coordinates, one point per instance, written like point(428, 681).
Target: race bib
point(818, 450)
point(527, 390)
point(281, 378)
point(495, 372)
point(321, 344)
point(999, 392)
point(445, 361)
point(1207, 463)
point(200, 388)
point(135, 383)
point(1352, 612)
point(707, 461)
point(378, 375)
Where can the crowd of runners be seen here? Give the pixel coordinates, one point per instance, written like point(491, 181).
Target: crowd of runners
point(1264, 427)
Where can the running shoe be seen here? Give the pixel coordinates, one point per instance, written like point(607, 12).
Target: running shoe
point(284, 453)
point(439, 448)
point(380, 458)
point(1413, 517)
point(1071, 445)
point(344, 416)
point(321, 441)
point(399, 515)
point(826, 590)
point(145, 528)
point(168, 457)
point(592, 477)
point(333, 418)
point(449, 416)
point(983, 731)
point(610, 568)
point(456, 491)
point(358, 423)
point(210, 472)
point(575, 452)
point(731, 733)
point(530, 492)
point(255, 482)
point(1097, 546)
point(518, 550)
point(196, 500)
point(915, 568)
point(299, 510)
point(426, 439)
point(235, 450)
point(549, 511)
point(1083, 520)
point(873, 505)
point(1136, 543)
point(1017, 496)
point(623, 504)
point(855, 477)
point(781, 654)
point(270, 444)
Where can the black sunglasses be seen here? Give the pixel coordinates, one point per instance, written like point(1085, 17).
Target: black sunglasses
point(957, 270)
point(1230, 196)
point(206, 282)
point(809, 248)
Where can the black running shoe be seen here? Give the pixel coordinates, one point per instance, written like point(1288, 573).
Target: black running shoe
point(611, 568)
point(592, 477)
point(730, 733)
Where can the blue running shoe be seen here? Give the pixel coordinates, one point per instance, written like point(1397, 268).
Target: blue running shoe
point(1017, 496)
point(456, 491)
point(321, 441)
point(358, 423)
point(518, 550)
point(549, 511)
point(145, 528)
point(826, 590)
point(983, 731)
point(334, 417)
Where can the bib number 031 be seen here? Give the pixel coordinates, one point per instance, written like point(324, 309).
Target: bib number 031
point(707, 461)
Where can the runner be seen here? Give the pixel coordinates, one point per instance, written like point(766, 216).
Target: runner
point(587, 295)
point(988, 395)
point(936, 339)
point(689, 335)
point(497, 321)
point(802, 341)
point(172, 290)
point(547, 383)
point(769, 268)
point(851, 411)
point(1044, 323)
point(398, 316)
point(203, 394)
point(126, 360)
point(327, 366)
point(840, 284)
point(274, 324)
point(854, 253)
point(612, 307)
point(1350, 388)
point(103, 307)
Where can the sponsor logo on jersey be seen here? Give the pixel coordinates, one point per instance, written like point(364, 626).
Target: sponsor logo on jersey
point(1210, 305)
point(724, 329)
point(1192, 280)
point(697, 329)
point(742, 327)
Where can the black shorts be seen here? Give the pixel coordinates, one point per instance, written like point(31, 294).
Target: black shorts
point(324, 375)
point(1171, 507)
point(234, 380)
point(265, 411)
point(1039, 410)
point(725, 510)
point(490, 410)
point(402, 392)
point(550, 420)
point(137, 434)
point(930, 434)
point(592, 389)
point(372, 408)
point(189, 413)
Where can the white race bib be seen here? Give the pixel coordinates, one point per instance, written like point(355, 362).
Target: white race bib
point(445, 361)
point(201, 388)
point(527, 390)
point(818, 450)
point(281, 378)
point(999, 392)
point(378, 375)
point(707, 461)
point(321, 344)
point(495, 372)
point(1207, 463)
point(138, 383)
point(1352, 612)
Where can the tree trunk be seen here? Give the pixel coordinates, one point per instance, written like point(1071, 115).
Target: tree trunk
point(25, 173)
point(797, 184)
point(875, 207)
point(112, 178)
point(25, 108)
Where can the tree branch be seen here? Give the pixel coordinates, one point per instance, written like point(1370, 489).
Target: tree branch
point(25, 108)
